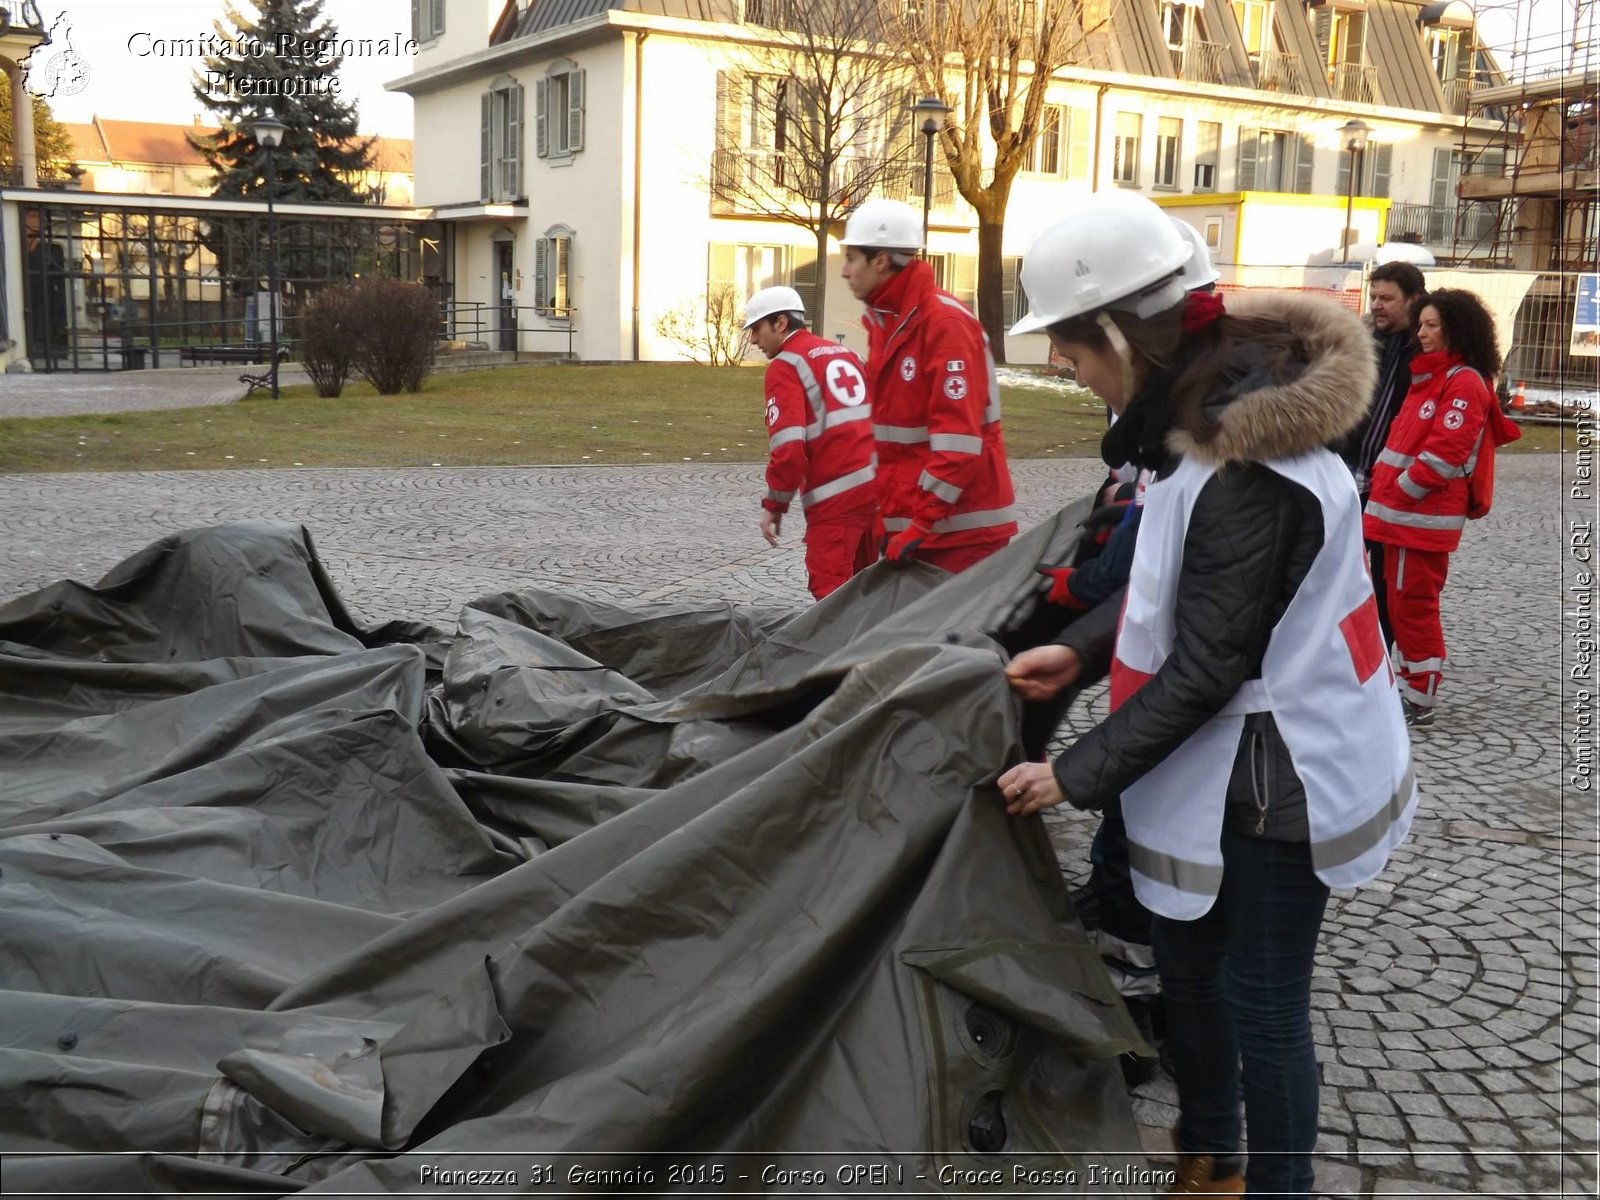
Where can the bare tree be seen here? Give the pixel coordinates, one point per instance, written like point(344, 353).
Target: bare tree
point(993, 60)
point(710, 328)
point(813, 122)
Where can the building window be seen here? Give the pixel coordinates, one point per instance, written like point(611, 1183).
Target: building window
point(1272, 160)
point(958, 275)
point(500, 141)
point(1062, 145)
point(1177, 22)
point(1125, 149)
point(1255, 25)
point(559, 121)
point(1014, 299)
point(1044, 154)
point(1375, 162)
point(1169, 151)
point(1207, 147)
point(552, 273)
point(427, 19)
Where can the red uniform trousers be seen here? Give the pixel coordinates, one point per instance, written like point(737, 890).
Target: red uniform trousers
point(838, 547)
point(1414, 579)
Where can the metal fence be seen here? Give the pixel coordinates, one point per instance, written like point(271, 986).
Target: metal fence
point(1541, 343)
point(523, 328)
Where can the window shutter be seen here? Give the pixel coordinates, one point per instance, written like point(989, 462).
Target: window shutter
point(438, 18)
point(575, 110)
point(1381, 158)
point(416, 21)
point(725, 165)
point(1440, 196)
point(541, 273)
point(1079, 123)
point(1341, 179)
point(804, 281)
point(1305, 160)
point(513, 182)
point(1355, 37)
point(964, 282)
point(1322, 29)
point(485, 146)
point(1008, 291)
point(541, 118)
point(1249, 147)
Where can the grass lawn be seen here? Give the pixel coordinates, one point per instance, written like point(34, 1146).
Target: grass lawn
point(511, 416)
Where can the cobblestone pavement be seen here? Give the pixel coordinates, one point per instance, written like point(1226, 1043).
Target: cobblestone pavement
point(1455, 998)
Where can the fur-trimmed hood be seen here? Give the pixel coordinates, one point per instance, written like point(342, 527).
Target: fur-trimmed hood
point(1256, 414)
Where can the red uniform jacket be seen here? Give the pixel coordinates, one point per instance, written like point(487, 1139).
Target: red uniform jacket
point(936, 415)
point(819, 428)
point(1446, 430)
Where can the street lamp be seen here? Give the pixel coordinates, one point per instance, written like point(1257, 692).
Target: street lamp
point(269, 133)
point(1355, 140)
point(931, 110)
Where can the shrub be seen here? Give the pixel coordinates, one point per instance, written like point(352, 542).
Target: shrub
point(709, 328)
point(327, 343)
point(394, 333)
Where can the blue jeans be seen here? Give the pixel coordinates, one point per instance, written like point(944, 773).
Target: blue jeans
point(1238, 991)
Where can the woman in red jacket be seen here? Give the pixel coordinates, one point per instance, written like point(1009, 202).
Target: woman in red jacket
point(1435, 472)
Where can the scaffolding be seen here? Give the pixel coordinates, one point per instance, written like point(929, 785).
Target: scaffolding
point(1537, 191)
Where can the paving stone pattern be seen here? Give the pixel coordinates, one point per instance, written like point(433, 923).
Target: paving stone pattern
point(1455, 999)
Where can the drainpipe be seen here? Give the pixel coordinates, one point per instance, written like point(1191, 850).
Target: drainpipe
point(1099, 124)
point(638, 172)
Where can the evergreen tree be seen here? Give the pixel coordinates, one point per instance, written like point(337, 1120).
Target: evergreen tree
point(268, 64)
point(52, 144)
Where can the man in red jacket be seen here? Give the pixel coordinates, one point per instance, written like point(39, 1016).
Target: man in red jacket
point(819, 428)
point(943, 485)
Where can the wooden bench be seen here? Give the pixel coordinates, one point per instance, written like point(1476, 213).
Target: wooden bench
point(192, 356)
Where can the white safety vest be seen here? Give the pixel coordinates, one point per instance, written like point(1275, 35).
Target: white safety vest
point(1325, 678)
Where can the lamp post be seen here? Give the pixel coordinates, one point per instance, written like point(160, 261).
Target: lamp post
point(1355, 140)
point(931, 110)
point(269, 135)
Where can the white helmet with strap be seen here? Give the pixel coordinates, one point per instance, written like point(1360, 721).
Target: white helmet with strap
point(880, 224)
point(1113, 250)
point(1199, 270)
point(772, 300)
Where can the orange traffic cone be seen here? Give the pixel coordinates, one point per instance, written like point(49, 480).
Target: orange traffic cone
point(1519, 397)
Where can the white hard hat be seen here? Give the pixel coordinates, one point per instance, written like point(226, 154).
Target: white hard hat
point(772, 300)
point(1199, 270)
point(884, 225)
point(1114, 250)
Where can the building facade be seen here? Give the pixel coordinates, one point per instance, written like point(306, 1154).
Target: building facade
point(584, 210)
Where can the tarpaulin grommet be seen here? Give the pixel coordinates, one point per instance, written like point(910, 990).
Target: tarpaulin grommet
point(986, 1131)
point(993, 1035)
point(67, 1041)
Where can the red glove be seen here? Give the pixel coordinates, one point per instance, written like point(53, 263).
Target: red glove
point(1060, 593)
point(903, 545)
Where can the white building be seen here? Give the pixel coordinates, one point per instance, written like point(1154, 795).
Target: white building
point(569, 147)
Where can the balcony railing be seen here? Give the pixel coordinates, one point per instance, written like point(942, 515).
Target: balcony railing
point(1456, 92)
point(1355, 82)
point(1441, 225)
point(1277, 71)
point(747, 181)
point(1198, 62)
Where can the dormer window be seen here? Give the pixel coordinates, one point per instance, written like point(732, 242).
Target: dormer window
point(1448, 34)
point(1341, 31)
point(1255, 25)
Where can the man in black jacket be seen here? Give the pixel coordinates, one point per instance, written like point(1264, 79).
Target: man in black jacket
point(1392, 289)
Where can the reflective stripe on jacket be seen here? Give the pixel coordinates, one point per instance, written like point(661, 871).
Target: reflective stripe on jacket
point(936, 415)
point(819, 429)
point(1419, 483)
